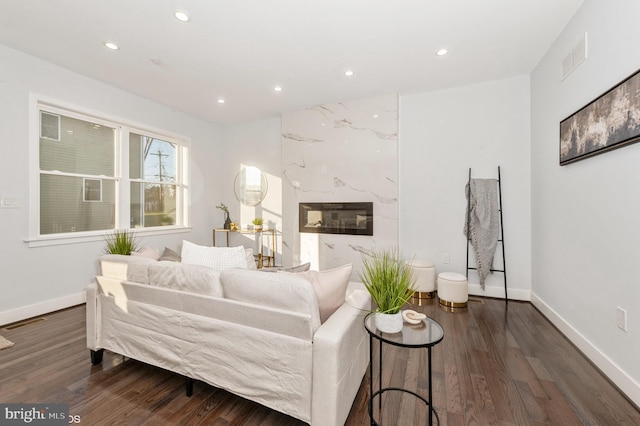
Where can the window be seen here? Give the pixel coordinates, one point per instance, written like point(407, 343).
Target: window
point(152, 170)
point(97, 175)
point(92, 190)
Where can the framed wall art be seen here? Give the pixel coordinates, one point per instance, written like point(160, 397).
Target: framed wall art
point(609, 122)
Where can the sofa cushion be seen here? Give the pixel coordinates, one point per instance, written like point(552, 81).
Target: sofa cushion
point(122, 267)
point(330, 287)
point(281, 291)
point(190, 278)
point(218, 258)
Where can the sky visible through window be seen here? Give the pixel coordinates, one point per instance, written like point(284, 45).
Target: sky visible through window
point(159, 160)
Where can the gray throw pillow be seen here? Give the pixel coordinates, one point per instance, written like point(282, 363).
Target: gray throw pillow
point(170, 255)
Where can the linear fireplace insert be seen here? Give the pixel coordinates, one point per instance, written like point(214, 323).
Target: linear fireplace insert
point(336, 218)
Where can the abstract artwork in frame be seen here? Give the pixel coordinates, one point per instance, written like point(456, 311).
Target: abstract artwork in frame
point(609, 122)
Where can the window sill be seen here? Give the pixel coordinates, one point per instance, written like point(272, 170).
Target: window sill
point(85, 237)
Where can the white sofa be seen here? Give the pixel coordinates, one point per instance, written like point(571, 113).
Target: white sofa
point(256, 334)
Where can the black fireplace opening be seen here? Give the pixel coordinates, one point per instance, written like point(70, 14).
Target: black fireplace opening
point(336, 218)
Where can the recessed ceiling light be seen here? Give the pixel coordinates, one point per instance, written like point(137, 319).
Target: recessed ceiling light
point(220, 101)
point(277, 89)
point(348, 73)
point(442, 52)
point(110, 45)
point(181, 16)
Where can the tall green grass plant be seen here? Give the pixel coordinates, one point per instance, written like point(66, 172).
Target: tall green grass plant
point(388, 278)
point(121, 241)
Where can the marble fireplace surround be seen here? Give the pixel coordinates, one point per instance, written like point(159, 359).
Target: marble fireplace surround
point(340, 152)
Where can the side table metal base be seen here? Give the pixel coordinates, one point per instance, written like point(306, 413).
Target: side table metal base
point(424, 335)
point(379, 395)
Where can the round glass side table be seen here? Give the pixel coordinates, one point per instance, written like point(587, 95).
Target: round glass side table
point(426, 334)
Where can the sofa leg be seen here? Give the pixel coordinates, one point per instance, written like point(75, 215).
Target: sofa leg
point(189, 386)
point(96, 356)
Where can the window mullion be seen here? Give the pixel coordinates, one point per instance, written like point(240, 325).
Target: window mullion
point(124, 186)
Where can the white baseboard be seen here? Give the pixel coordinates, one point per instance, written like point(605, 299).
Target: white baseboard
point(498, 292)
point(622, 380)
point(37, 309)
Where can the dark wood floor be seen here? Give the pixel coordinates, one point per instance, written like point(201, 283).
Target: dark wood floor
point(494, 366)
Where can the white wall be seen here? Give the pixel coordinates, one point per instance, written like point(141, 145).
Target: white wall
point(38, 280)
point(442, 135)
point(252, 144)
point(585, 215)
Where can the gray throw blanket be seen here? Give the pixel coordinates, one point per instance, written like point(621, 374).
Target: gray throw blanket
point(484, 225)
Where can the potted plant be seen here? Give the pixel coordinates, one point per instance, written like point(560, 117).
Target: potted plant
point(389, 280)
point(227, 220)
point(121, 241)
point(257, 223)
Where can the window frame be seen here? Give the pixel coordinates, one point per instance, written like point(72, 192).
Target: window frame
point(121, 173)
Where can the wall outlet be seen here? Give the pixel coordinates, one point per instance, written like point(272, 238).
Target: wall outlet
point(9, 202)
point(621, 318)
point(446, 258)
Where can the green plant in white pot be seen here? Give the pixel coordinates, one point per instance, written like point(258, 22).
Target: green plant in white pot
point(389, 280)
point(257, 223)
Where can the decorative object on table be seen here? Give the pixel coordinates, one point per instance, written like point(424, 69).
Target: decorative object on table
point(609, 122)
point(225, 209)
point(233, 226)
point(257, 224)
point(389, 280)
point(412, 317)
point(121, 241)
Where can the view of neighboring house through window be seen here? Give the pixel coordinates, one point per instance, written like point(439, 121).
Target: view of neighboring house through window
point(82, 188)
point(77, 175)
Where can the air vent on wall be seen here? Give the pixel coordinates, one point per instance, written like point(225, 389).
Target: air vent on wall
point(49, 126)
point(577, 56)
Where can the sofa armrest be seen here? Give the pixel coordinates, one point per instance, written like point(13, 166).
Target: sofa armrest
point(354, 286)
point(340, 359)
point(92, 316)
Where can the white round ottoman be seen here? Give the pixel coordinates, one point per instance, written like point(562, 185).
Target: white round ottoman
point(424, 275)
point(453, 290)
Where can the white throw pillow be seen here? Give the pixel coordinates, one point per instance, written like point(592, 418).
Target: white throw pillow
point(330, 287)
point(218, 258)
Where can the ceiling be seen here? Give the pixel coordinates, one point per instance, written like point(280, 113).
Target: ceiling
point(240, 50)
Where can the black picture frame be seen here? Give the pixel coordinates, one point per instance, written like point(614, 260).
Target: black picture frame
point(609, 122)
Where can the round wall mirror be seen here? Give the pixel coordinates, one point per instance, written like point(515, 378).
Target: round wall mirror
point(250, 186)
